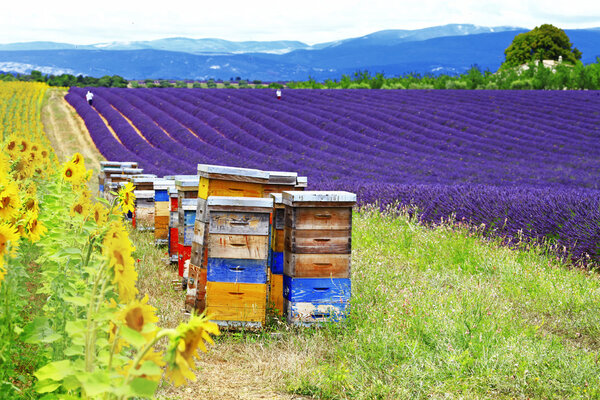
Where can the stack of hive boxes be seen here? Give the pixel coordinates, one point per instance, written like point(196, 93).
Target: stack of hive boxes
point(215, 181)
point(316, 281)
point(187, 192)
point(162, 207)
point(238, 244)
point(143, 216)
point(173, 223)
point(276, 254)
point(111, 174)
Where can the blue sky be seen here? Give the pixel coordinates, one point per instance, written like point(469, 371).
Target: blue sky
point(310, 21)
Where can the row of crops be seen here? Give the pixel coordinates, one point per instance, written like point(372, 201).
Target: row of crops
point(522, 164)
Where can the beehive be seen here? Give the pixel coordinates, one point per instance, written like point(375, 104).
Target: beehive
point(238, 243)
point(216, 180)
point(278, 182)
point(143, 215)
point(276, 254)
point(173, 223)
point(162, 206)
point(187, 191)
point(317, 246)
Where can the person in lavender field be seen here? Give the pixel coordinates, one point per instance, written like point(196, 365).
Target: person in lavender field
point(89, 96)
point(278, 93)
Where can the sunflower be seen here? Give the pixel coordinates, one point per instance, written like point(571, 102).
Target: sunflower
point(4, 166)
point(118, 253)
point(80, 207)
point(137, 314)
point(12, 146)
point(116, 232)
point(31, 204)
point(100, 214)
point(184, 345)
point(9, 239)
point(9, 201)
point(25, 145)
point(23, 169)
point(72, 172)
point(44, 153)
point(153, 357)
point(127, 198)
point(35, 228)
point(78, 159)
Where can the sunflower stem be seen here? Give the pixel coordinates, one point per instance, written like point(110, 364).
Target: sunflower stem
point(90, 347)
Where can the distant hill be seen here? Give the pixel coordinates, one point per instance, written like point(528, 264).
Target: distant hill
point(447, 49)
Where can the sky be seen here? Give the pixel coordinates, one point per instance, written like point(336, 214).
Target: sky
point(309, 21)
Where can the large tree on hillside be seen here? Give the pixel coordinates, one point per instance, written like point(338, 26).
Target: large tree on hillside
point(545, 42)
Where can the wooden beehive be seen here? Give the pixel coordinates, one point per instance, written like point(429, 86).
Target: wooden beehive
point(144, 210)
point(276, 254)
point(238, 243)
point(187, 191)
point(317, 247)
point(162, 207)
point(279, 182)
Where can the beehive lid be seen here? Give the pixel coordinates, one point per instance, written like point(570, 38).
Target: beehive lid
point(143, 176)
point(143, 194)
point(133, 171)
point(188, 204)
point(282, 178)
point(277, 198)
point(173, 192)
point(302, 181)
point(293, 198)
point(118, 164)
point(188, 182)
point(143, 180)
point(163, 184)
point(233, 173)
point(227, 201)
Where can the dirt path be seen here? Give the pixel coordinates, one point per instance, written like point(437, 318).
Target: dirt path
point(67, 132)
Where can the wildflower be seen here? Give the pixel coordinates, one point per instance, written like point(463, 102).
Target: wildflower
point(35, 228)
point(100, 214)
point(9, 201)
point(78, 160)
point(72, 172)
point(184, 345)
point(127, 198)
point(8, 237)
point(118, 253)
point(80, 207)
point(137, 314)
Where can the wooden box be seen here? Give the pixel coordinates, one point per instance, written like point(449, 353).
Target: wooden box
point(316, 265)
point(228, 302)
point(237, 270)
point(308, 314)
point(316, 290)
point(318, 241)
point(196, 289)
point(276, 293)
point(217, 180)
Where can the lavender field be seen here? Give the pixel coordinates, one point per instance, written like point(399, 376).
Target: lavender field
point(526, 164)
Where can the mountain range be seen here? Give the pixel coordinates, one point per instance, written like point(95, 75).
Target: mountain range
point(447, 49)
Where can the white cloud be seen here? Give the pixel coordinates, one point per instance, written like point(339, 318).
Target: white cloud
point(311, 21)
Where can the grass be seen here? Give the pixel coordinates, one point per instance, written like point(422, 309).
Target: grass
point(435, 313)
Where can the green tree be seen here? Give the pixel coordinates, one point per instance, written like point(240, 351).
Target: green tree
point(545, 42)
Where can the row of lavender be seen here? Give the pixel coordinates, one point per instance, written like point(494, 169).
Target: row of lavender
point(515, 161)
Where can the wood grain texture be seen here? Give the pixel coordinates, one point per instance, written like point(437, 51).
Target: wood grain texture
point(278, 240)
point(224, 315)
point(162, 208)
point(334, 218)
point(183, 253)
point(237, 270)
point(186, 235)
point(186, 217)
point(238, 246)
point(316, 290)
point(236, 295)
point(239, 223)
point(318, 241)
point(316, 265)
point(219, 187)
point(277, 188)
point(276, 293)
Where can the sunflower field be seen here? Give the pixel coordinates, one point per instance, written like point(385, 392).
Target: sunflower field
point(72, 322)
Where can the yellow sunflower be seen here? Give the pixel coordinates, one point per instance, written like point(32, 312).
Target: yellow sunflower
point(116, 232)
point(22, 169)
point(127, 198)
point(72, 172)
point(184, 346)
point(4, 166)
point(80, 207)
point(9, 201)
point(35, 228)
point(137, 314)
point(31, 204)
point(12, 146)
point(78, 159)
point(44, 153)
point(154, 357)
point(100, 214)
point(9, 239)
point(25, 146)
point(118, 253)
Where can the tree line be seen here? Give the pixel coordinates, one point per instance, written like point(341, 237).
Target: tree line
point(66, 80)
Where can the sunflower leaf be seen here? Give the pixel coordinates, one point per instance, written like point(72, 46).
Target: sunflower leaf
point(133, 337)
point(143, 387)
